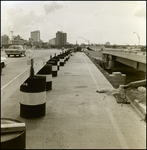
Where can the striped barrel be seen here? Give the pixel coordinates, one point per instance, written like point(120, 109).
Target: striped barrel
point(33, 101)
point(58, 61)
point(54, 64)
point(62, 59)
point(47, 72)
point(68, 54)
point(13, 140)
point(65, 57)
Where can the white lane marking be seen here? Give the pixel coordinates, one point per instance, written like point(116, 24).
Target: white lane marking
point(91, 75)
point(117, 130)
point(112, 119)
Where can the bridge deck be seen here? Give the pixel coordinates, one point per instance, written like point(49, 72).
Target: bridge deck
point(79, 117)
point(138, 57)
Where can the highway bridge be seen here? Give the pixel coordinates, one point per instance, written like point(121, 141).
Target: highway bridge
point(134, 59)
point(76, 116)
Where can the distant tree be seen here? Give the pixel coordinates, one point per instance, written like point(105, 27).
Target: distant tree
point(143, 48)
point(107, 43)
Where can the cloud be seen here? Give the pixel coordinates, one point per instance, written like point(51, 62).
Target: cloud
point(140, 11)
point(51, 7)
point(21, 18)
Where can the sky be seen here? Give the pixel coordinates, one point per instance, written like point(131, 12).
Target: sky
point(116, 22)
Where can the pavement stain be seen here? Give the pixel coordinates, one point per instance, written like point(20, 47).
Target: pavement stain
point(81, 86)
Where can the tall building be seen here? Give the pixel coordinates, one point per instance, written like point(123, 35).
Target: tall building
point(35, 35)
point(61, 38)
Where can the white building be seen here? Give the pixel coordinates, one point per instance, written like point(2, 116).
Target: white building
point(52, 41)
point(35, 35)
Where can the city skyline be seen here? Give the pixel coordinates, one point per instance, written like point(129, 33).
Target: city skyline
point(97, 21)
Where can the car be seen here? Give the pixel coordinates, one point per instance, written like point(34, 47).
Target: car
point(3, 62)
point(16, 50)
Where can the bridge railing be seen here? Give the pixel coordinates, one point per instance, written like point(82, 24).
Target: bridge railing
point(133, 51)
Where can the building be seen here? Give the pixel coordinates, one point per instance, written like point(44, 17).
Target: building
point(52, 41)
point(5, 39)
point(35, 36)
point(61, 38)
point(18, 40)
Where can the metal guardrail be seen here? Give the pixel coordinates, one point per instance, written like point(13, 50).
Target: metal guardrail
point(13, 85)
point(127, 51)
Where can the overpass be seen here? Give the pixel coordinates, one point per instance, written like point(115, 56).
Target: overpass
point(134, 59)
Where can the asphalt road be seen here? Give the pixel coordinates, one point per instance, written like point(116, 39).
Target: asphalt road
point(16, 65)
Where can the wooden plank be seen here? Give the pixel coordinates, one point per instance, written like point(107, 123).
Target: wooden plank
point(13, 127)
point(135, 84)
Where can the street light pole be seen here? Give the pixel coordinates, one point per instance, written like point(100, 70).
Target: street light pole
point(85, 40)
point(138, 38)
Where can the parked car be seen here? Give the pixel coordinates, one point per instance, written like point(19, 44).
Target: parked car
point(15, 50)
point(3, 62)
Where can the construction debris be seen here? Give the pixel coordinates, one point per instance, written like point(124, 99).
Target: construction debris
point(120, 93)
point(135, 84)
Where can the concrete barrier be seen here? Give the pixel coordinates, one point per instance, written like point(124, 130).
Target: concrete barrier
point(33, 101)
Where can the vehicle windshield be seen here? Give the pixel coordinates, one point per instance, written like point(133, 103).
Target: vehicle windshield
point(15, 47)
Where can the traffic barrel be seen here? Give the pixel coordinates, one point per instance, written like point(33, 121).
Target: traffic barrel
point(33, 101)
point(14, 135)
point(58, 61)
point(54, 64)
point(47, 72)
point(62, 61)
point(68, 55)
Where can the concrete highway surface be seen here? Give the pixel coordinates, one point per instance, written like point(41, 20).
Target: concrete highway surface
point(17, 65)
point(77, 117)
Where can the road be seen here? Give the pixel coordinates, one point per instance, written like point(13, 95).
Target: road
point(77, 117)
point(16, 65)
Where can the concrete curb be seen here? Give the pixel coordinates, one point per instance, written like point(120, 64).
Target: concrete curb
point(139, 107)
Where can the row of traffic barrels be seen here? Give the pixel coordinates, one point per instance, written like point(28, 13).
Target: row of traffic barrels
point(33, 102)
point(33, 99)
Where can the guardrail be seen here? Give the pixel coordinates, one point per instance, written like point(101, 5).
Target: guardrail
point(13, 85)
point(138, 52)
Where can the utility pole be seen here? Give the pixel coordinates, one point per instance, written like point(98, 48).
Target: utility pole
point(11, 36)
point(85, 40)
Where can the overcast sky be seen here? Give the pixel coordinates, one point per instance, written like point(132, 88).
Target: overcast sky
point(96, 21)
